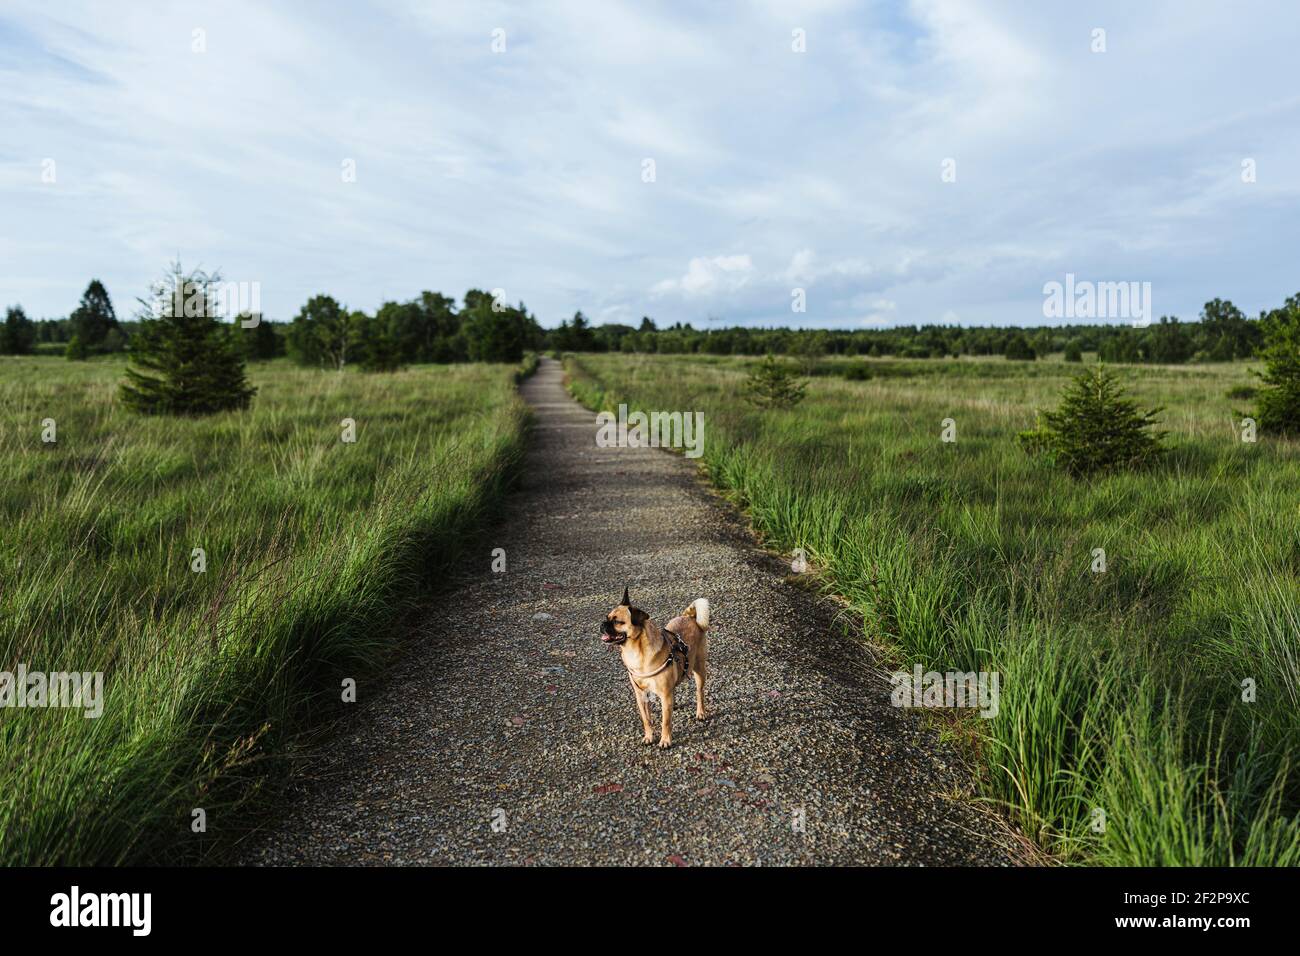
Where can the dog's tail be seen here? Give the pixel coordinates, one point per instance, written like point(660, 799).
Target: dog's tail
point(699, 610)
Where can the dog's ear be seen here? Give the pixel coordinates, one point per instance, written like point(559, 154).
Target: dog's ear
point(639, 616)
point(626, 602)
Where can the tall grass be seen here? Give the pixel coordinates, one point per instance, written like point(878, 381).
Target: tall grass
point(315, 549)
point(1125, 733)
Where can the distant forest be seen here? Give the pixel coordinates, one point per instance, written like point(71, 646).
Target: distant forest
point(434, 328)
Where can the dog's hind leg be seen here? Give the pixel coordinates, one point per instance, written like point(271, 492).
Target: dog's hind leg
point(643, 708)
point(701, 712)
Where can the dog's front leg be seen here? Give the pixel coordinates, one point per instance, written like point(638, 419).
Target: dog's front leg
point(666, 729)
point(643, 708)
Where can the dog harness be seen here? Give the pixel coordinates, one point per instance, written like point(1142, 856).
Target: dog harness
point(676, 648)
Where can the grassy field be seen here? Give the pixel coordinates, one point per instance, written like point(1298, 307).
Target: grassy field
point(1123, 737)
point(314, 547)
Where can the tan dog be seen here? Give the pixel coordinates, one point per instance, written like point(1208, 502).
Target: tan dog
point(658, 658)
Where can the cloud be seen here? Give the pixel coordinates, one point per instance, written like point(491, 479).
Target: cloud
point(708, 277)
point(882, 312)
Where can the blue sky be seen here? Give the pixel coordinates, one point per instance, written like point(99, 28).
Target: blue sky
point(774, 170)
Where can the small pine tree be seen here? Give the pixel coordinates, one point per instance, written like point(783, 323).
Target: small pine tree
point(77, 350)
point(1073, 351)
point(1279, 399)
point(773, 384)
point(198, 365)
point(1096, 429)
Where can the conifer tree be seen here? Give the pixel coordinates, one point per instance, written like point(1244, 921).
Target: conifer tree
point(184, 360)
point(1096, 429)
point(92, 320)
point(773, 384)
point(1279, 399)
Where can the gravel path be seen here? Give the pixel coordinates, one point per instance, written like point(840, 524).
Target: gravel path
point(508, 709)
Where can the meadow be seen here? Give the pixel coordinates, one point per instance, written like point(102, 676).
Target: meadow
point(1150, 712)
point(314, 550)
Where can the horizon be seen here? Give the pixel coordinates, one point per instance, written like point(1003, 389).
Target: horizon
point(952, 160)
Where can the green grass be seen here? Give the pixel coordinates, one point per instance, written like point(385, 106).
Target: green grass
point(1121, 692)
point(316, 550)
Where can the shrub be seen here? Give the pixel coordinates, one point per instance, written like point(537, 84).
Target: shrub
point(1279, 398)
point(77, 350)
point(260, 341)
point(321, 333)
point(115, 341)
point(857, 372)
point(809, 349)
point(773, 384)
point(1019, 350)
point(1095, 428)
point(1073, 351)
point(379, 347)
point(18, 332)
point(199, 367)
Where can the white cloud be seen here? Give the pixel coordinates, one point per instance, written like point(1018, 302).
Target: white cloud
point(802, 266)
point(882, 312)
point(706, 277)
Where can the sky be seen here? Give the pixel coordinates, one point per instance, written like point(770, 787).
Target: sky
point(927, 161)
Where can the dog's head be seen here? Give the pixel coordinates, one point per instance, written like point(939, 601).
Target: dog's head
point(622, 622)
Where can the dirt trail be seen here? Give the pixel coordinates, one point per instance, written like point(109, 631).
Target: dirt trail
point(507, 707)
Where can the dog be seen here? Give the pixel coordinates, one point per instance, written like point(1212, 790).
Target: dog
point(658, 658)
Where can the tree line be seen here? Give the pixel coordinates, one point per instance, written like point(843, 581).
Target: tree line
point(1223, 334)
point(428, 329)
point(434, 328)
point(325, 333)
point(186, 359)
point(482, 328)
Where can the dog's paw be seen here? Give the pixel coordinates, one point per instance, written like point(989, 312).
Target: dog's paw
point(703, 714)
point(648, 739)
point(665, 743)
